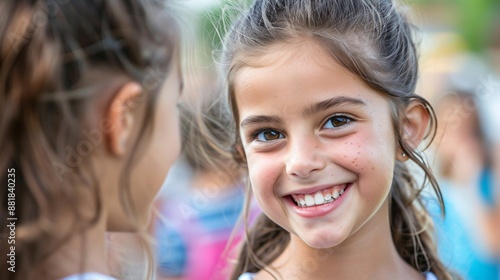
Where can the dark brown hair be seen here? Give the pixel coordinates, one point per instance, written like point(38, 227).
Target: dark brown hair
point(373, 40)
point(58, 60)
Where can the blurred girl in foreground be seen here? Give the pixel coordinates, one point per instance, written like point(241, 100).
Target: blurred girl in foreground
point(88, 128)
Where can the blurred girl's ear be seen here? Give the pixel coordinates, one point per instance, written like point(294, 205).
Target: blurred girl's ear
point(414, 126)
point(121, 117)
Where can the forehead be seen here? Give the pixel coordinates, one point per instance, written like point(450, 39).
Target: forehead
point(301, 68)
point(280, 55)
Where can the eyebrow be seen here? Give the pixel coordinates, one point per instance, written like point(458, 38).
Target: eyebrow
point(260, 119)
point(313, 108)
point(331, 103)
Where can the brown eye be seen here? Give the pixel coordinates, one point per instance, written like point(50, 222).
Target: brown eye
point(268, 135)
point(337, 121)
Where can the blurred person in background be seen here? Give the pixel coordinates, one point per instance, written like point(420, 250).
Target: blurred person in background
point(468, 29)
point(196, 222)
point(489, 105)
point(464, 164)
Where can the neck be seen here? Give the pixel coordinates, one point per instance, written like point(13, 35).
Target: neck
point(83, 252)
point(369, 253)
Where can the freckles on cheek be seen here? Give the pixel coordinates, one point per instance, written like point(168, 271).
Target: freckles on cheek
point(370, 158)
point(357, 155)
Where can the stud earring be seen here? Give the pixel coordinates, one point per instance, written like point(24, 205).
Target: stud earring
point(403, 154)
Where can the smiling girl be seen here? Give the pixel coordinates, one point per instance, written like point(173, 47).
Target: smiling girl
point(323, 95)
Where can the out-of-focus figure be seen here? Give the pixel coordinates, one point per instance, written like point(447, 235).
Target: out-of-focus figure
point(465, 169)
point(489, 105)
point(88, 94)
point(198, 219)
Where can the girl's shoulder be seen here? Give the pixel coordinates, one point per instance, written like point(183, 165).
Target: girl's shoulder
point(89, 276)
point(246, 276)
point(430, 276)
point(249, 276)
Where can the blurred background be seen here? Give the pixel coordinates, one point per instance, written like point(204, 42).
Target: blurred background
point(459, 63)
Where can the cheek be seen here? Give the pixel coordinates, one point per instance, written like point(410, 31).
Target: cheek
point(161, 151)
point(169, 140)
point(166, 144)
point(263, 173)
point(369, 154)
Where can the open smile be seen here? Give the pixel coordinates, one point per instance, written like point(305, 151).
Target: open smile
point(321, 197)
point(318, 203)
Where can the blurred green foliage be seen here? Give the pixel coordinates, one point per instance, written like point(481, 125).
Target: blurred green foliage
point(216, 21)
point(475, 21)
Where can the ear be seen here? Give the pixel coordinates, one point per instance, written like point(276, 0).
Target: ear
point(414, 127)
point(121, 117)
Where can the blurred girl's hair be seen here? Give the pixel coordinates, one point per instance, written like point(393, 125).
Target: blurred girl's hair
point(207, 131)
point(58, 61)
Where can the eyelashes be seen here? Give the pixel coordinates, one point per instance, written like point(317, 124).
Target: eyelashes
point(268, 134)
point(337, 121)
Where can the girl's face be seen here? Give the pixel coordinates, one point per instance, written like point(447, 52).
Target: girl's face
point(319, 144)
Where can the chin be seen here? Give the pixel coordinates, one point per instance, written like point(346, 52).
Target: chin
point(323, 240)
point(322, 244)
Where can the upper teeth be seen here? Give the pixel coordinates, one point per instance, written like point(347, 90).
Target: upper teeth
point(309, 200)
point(336, 194)
point(318, 198)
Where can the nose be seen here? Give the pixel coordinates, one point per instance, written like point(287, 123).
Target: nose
point(304, 157)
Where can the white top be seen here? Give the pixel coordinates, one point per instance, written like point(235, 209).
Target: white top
point(250, 276)
point(89, 276)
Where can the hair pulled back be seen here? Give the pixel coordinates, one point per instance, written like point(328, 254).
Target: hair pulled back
point(373, 40)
